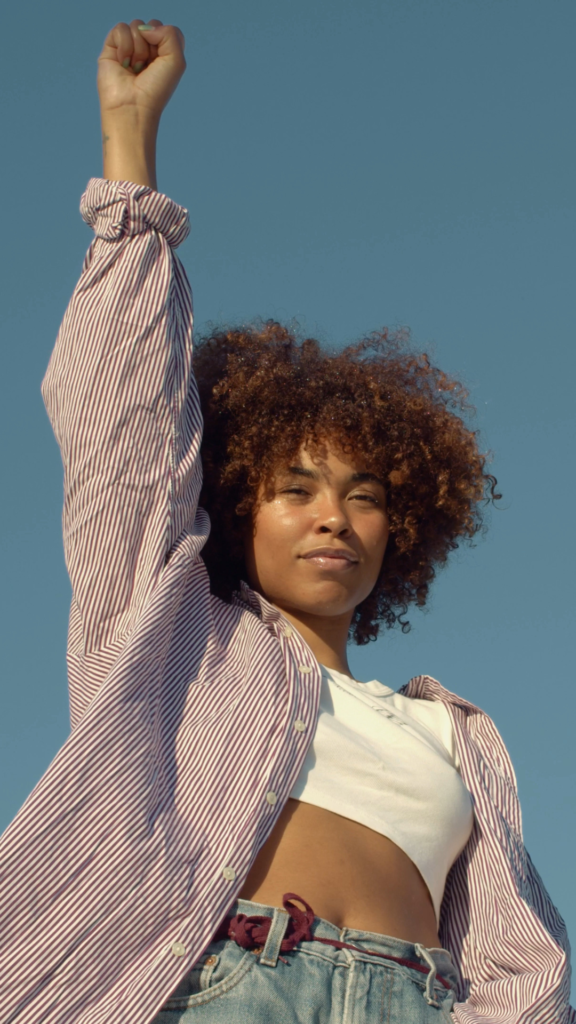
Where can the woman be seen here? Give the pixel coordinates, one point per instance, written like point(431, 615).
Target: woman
point(225, 773)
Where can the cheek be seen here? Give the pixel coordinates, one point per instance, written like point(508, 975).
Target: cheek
point(270, 544)
point(374, 534)
point(375, 541)
point(278, 527)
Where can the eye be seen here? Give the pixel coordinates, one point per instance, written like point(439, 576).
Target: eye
point(295, 490)
point(371, 498)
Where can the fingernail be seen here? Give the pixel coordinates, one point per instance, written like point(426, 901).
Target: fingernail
point(146, 28)
point(126, 63)
point(138, 67)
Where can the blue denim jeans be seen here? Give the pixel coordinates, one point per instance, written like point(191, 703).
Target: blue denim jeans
point(314, 983)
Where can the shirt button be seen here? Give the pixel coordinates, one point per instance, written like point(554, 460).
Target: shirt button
point(299, 725)
point(229, 873)
point(271, 797)
point(288, 632)
point(304, 669)
point(178, 948)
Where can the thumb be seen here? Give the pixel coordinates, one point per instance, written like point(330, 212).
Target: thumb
point(167, 40)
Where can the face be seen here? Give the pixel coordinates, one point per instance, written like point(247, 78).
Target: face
point(319, 536)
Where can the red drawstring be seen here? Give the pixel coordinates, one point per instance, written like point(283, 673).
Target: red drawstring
point(252, 932)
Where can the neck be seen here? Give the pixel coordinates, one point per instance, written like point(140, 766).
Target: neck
point(327, 637)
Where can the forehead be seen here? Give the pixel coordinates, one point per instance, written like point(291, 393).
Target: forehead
point(326, 462)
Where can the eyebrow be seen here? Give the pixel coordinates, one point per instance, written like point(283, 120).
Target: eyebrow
point(363, 478)
point(356, 478)
point(311, 474)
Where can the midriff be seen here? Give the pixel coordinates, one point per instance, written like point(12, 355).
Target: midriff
point(350, 875)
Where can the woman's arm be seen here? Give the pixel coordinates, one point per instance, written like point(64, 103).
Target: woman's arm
point(119, 388)
point(138, 70)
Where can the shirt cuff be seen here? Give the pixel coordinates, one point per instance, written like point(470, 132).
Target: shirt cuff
point(120, 209)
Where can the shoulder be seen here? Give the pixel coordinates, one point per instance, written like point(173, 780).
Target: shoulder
point(428, 688)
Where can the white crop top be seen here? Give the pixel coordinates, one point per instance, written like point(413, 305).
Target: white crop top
point(390, 762)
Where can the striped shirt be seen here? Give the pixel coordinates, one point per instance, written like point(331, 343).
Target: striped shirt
point(186, 711)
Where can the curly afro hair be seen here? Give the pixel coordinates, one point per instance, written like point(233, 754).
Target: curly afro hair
point(264, 393)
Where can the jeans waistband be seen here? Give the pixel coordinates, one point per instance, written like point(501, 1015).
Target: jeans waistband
point(271, 930)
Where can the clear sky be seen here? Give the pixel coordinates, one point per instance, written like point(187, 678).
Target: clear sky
point(350, 163)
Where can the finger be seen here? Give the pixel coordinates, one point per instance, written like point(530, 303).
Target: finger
point(141, 53)
point(169, 40)
point(119, 44)
point(153, 49)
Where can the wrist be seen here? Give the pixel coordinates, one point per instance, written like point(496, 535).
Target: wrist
point(129, 145)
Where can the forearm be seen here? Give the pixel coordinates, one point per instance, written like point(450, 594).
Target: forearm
point(129, 146)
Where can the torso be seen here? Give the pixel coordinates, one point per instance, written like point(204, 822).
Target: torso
point(351, 875)
point(376, 817)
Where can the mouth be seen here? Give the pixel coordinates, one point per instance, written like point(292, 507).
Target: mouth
point(338, 559)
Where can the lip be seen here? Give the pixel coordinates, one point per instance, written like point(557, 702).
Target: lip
point(331, 558)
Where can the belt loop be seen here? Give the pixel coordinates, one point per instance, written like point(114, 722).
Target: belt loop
point(425, 955)
point(278, 927)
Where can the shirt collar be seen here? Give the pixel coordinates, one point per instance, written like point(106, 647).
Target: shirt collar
point(257, 604)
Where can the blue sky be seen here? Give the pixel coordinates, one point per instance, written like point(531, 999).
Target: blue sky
point(349, 163)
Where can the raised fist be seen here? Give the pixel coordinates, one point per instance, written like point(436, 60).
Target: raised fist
point(140, 67)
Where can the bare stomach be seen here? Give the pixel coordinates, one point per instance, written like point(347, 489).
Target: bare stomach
point(351, 875)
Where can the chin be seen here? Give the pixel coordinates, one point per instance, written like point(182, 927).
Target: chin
point(322, 603)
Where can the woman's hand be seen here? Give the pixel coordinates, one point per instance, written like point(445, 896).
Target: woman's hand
point(138, 70)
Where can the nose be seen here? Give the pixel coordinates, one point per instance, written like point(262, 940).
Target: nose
point(333, 519)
